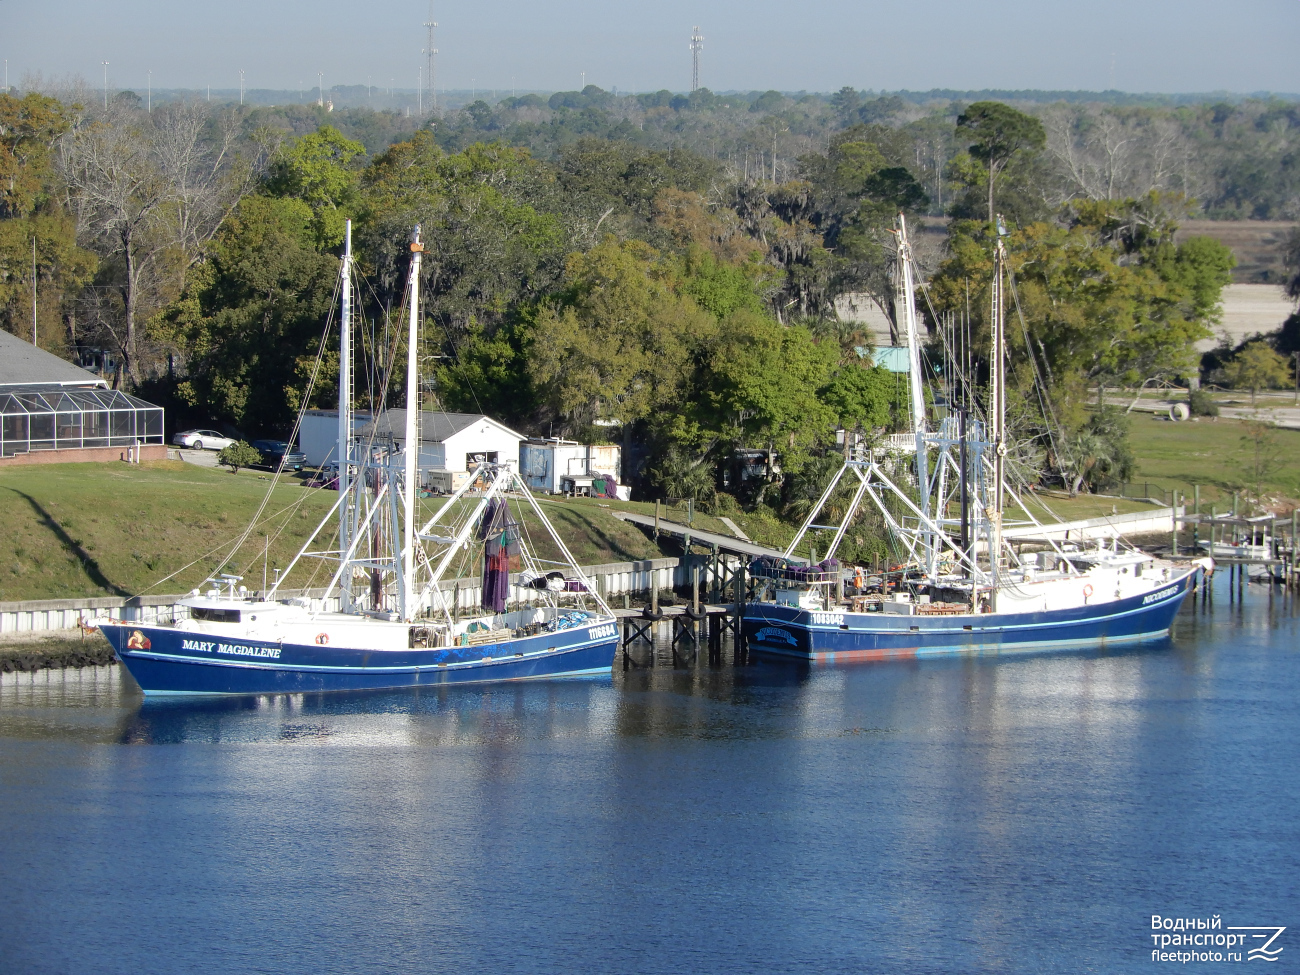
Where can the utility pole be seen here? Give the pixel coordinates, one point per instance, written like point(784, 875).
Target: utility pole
point(697, 45)
point(34, 289)
point(105, 64)
point(431, 52)
point(241, 86)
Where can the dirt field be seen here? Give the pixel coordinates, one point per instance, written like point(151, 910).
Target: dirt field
point(1256, 243)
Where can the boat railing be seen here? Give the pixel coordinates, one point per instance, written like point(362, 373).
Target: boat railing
point(774, 570)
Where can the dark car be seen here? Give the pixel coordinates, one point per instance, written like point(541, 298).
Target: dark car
point(278, 455)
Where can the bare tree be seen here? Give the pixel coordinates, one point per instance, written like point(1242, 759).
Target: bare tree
point(1109, 153)
point(149, 191)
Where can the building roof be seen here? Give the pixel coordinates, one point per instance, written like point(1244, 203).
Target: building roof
point(434, 427)
point(893, 358)
point(23, 364)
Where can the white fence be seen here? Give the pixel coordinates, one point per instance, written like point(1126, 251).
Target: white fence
point(61, 616)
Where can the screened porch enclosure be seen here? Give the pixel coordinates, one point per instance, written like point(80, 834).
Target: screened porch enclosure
point(68, 418)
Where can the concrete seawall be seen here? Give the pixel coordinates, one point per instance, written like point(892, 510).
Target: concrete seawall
point(61, 617)
point(1135, 523)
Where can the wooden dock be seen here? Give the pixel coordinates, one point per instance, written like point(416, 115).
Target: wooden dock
point(690, 627)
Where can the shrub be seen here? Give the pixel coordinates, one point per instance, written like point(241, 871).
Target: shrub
point(1201, 403)
point(239, 455)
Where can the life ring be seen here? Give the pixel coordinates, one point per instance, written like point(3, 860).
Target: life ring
point(322, 638)
point(1087, 591)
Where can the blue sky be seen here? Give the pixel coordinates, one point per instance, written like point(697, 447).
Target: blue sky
point(1153, 45)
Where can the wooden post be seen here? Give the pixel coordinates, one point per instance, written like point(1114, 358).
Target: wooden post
point(656, 519)
point(738, 633)
point(1196, 499)
point(1295, 547)
point(695, 589)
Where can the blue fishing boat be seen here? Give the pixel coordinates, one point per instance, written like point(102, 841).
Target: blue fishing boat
point(960, 586)
point(393, 614)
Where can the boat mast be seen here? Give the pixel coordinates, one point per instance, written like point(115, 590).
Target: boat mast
point(344, 454)
point(908, 301)
point(412, 440)
point(998, 404)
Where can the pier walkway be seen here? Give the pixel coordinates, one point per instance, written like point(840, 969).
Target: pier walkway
point(724, 543)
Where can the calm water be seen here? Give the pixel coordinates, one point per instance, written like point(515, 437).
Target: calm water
point(1006, 816)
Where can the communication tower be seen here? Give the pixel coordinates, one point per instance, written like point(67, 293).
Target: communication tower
point(697, 45)
point(431, 52)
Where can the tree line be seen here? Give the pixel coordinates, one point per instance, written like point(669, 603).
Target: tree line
point(598, 280)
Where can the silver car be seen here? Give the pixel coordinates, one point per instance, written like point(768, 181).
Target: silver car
point(201, 440)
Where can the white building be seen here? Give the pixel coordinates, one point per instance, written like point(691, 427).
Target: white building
point(451, 444)
point(318, 435)
point(546, 463)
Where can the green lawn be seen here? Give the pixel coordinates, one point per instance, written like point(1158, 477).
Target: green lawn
point(1211, 453)
point(1065, 508)
point(104, 529)
point(75, 530)
point(116, 529)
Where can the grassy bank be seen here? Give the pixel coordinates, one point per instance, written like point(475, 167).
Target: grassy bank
point(1216, 454)
point(115, 529)
point(75, 530)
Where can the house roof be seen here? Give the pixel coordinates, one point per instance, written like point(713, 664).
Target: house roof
point(434, 427)
point(23, 364)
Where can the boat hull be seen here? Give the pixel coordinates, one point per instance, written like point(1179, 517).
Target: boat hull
point(165, 660)
point(786, 631)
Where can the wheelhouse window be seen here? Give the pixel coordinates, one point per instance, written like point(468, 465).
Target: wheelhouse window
point(214, 615)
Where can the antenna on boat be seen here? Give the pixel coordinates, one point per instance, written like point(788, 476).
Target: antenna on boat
point(411, 442)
